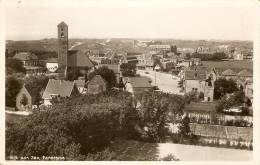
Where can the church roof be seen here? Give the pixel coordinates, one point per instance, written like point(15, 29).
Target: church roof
point(62, 24)
point(77, 58)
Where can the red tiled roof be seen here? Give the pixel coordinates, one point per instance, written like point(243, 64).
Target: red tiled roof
point(58, 87)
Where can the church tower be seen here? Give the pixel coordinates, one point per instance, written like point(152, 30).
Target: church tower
point(62, 47)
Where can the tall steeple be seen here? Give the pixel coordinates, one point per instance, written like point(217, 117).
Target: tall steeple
point(63, 48)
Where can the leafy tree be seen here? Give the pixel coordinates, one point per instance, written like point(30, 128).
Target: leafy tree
point(156, 110)
point(236, 99)
point(14, 66)
point(12, 88)
point(223, 87)
point(184, 127)
point(217, 56)
point(106, 74)
point(128, 69)
point(77, 128)
point(36, 84)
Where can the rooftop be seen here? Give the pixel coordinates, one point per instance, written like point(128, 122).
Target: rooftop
point(25, 56)
point(58, 87)
point(140, 82)
point(77, 58)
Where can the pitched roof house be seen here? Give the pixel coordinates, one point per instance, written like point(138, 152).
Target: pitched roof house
point(97, 85)
point(59, 88)
point(136, 85)
point(77, 58)
point(199, 81)
point(26, 99)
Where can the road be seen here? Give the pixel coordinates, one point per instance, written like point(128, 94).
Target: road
point(165, 82)
point(134, 150)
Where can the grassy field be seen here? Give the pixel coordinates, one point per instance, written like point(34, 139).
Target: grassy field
point(202, 107)
point(235, 65)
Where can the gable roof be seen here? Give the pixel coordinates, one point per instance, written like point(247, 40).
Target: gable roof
point(140, 82)
point(195, 75)
point(58, 87)
point(229, 72)
point(77, 58)
point(79, 83)
point(97, 79)
point(25, 56)
point(245, 73)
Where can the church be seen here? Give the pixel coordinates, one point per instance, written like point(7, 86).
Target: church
point(71, 63)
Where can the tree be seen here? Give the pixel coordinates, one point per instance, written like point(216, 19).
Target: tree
point(156, 110)
point(236, 99)
point(77, 128)
point(184, 127)
point(106, 73)
point(223, 87)
point(128, 69)
point(14, 66)
point(36, 84)
point(12, 87)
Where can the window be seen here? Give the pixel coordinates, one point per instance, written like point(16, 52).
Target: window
point(62, 34)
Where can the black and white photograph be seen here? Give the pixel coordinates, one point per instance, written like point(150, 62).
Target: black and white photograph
point(129, 80)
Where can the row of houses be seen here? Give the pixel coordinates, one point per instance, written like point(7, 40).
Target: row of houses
point(57, 89)
point(201, 79)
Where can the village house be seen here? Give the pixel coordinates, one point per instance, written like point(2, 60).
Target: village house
point(30, 62)
point(136, 85)
point(198, 81)
point(57, 89)
point(96, 85)
point(26, 99)
point(52, 64)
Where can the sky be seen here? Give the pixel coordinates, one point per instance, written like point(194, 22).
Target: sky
point(185, 19)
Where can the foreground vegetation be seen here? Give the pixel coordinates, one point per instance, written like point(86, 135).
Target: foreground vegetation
point(83, 128)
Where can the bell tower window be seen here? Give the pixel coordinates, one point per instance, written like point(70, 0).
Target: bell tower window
point(62, 35)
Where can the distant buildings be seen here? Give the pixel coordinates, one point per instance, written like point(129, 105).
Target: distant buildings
point(30, 62)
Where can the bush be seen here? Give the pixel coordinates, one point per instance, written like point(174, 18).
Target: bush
point(73, 128)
